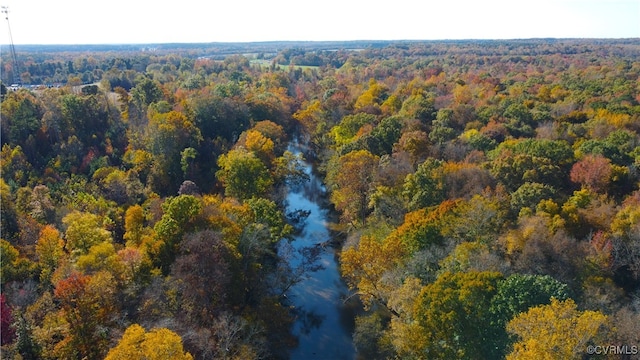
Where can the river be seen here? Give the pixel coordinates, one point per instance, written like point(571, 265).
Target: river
point(323, 323)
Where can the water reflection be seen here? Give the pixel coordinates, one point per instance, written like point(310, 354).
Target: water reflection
point(308, 320)
point(323, 322)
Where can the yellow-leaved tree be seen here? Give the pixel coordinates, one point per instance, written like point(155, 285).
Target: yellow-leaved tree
point(364, 265)
point(351, 178)
point(260, 145)
point(555, 331)
point(157, 344)
point(49, 248)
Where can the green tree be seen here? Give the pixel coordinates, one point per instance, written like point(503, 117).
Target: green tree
point(517, 294)
point(519, 120)
point(419, 106)
point(182, 209)
point(449, 318)
point(21, 116)
point(8, 215)
point(180, 217)
point(616, 147)
point(478, 140)
point(146, 92)
point(425, 187)
point(113, 184)
point(243, 174)
point(168, 135)
point(442, 127)
point(346, 131)
point(386, 134)
point(223, 115)
point(532, 160)
point(529, 195)
point(266, 211)
point(186, 161)
point(469, 256)
point(139, 161)
point(16, 169)
point(86, 117)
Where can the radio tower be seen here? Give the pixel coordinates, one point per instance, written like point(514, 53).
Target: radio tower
point(16, 68)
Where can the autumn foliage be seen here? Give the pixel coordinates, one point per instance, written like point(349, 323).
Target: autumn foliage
point(483, 195)
point(592, 172)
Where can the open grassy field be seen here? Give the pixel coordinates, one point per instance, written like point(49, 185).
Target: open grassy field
point(267, 63)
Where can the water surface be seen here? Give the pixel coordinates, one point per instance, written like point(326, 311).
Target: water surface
point(324, 323)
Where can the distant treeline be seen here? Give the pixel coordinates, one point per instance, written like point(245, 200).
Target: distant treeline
point(55, 64)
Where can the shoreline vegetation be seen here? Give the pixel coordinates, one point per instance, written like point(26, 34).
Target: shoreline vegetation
point(480, 187)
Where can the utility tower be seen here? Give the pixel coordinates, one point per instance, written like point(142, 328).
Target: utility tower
point(16, 67)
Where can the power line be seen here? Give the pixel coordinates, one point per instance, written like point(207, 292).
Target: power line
point(16, 67)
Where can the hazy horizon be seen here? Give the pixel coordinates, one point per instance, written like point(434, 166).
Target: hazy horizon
point(318, 41)
point(71, 22)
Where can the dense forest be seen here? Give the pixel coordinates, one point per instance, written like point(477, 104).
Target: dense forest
point(482, 189)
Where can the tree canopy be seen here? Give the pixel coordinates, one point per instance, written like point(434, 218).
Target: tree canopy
point(474, 190)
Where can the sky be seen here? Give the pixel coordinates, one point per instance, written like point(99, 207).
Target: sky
point(193, 21)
